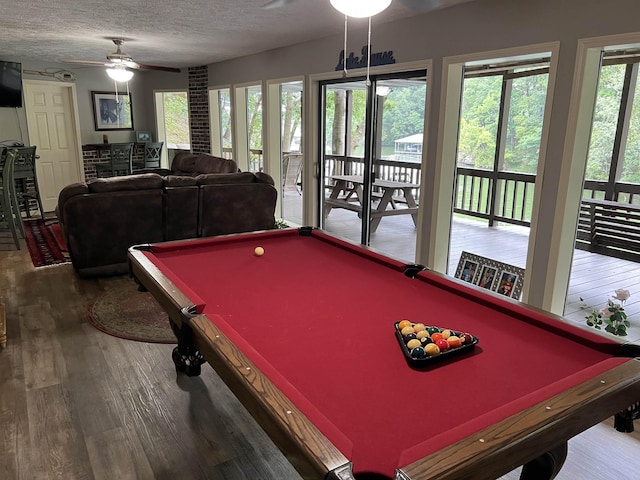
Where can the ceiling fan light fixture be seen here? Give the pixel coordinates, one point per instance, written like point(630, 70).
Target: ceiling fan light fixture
point(360, 8)
point(119, 73)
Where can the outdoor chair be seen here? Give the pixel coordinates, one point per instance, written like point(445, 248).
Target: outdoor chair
point(292, 168)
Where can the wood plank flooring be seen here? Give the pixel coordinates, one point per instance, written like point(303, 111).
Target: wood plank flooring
point(76, 403)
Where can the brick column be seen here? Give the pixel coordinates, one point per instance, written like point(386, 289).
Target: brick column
point(199, 109)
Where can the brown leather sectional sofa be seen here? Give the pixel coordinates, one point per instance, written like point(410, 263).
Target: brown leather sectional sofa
point(103, 218)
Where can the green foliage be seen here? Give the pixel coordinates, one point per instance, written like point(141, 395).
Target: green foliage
point(612, 316)
point(176, 117)
point(403, 113)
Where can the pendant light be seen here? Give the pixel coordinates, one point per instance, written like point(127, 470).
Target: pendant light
point(360, 8)
point(119, 73)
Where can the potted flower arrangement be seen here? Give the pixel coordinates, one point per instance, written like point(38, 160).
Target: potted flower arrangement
point(612, 316)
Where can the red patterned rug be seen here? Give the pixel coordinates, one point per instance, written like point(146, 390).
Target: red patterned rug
point(45, 243)
point(122, 311)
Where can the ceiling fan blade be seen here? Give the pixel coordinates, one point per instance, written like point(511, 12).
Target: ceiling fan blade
point(429, 5)
point(87, 62)
point(156, 67)
point(273, 4)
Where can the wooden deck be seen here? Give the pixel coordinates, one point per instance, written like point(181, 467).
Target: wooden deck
point(594, 277)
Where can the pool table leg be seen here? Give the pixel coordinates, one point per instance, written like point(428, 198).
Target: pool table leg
point(186, 356)
point(546, 466)
point(623, 421)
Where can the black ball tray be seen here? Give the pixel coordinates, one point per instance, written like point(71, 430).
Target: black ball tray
point(452, 352)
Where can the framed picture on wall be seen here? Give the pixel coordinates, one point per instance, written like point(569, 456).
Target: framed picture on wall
point(112, 111)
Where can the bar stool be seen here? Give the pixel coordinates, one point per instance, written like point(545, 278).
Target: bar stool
point(9, 209)
point(152, 154)
point(26, 180)
point(120, 162)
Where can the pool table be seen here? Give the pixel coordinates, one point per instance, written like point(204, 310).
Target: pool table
point(304, 335)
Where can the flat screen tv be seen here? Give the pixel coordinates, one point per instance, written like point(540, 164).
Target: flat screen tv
point(10, 84)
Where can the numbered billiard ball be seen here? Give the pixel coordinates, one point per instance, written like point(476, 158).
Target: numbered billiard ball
point(408, 337)
point(442, 344)
point(418, 352)
point(432, 350)
point(404, 323)
point(454, 342)
point(413, 343)
point(436, 336)
point(466, 338)
point(407, 330)
point(426, 341)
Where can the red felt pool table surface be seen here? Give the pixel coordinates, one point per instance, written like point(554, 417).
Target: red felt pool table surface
point(316, 316)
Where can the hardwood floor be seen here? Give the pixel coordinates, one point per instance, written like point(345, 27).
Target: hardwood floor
point(76, 403)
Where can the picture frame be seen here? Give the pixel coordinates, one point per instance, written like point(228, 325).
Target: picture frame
point(487, 277)
point(507, 284)
point(112, 111)
point(143, 137)
point(499, 277)
point(469, 270)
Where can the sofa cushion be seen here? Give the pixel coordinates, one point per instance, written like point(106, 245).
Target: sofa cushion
point(236, 208)
point(179, 181)
point(146, 181)
point(225, 178)
point(187, 163)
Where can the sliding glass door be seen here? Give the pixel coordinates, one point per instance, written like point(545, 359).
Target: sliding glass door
point(372, 153)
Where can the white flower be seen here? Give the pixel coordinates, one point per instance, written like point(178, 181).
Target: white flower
point(605, 312)
point(622, 294)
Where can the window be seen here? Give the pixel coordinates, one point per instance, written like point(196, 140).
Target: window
point(173, 119)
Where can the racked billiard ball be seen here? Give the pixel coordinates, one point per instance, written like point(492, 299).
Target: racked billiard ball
point(436, 336)
point(407, 330)
point(466, 338)
point(432, 349)
point(421, 334)
point(442, 344)
point(418, 352)
point(433, 330)
point(413, 343)
point(404, 323)
point(454, 342)
point(426, 341)
point(408, 337)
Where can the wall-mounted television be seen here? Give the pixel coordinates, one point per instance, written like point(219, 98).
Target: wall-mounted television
point(10, 84)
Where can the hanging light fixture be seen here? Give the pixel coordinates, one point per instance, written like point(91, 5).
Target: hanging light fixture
point(119, 73)
point(360, 8)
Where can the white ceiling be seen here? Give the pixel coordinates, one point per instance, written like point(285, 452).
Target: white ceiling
point(172, 33)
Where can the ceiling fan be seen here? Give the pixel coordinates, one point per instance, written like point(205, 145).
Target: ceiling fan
point(122, 60)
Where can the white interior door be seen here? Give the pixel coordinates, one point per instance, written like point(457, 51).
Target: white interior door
point(52, 124)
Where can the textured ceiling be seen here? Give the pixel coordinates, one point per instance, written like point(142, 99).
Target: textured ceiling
point(168, 32)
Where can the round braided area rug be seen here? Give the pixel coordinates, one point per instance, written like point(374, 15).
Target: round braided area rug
point(125, 312)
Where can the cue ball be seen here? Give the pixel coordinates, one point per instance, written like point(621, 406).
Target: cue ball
point(259, 251)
